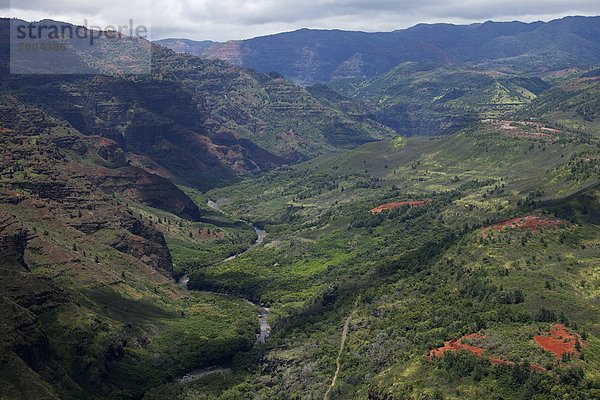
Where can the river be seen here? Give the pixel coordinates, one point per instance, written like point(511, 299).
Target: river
point(265, 329)
point(261, 233)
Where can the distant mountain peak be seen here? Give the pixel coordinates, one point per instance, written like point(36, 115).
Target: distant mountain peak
point(308, 56)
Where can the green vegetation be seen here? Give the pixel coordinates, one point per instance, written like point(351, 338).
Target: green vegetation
point(426, 274)
point(192, 244)
point(422, 99)
point(494, 237)
point(571, 105)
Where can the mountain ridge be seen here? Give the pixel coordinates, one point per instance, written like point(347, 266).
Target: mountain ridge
point(318, 56)
point(197, 122)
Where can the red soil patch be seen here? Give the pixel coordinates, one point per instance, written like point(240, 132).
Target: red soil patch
point(579, 83)
point(531, 135)
point(455, 345)
point(509, 125)
point(205, 234)
point(202, 234)
point(531, 222)
point(559, 342)
point(297, 139)
point(388, 206)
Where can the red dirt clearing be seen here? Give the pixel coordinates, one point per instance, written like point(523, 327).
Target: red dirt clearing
point(455, 345)
point(388, 206)
point(532, 222)
point(559, 342)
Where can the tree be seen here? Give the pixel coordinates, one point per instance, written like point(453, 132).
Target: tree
point(518, 297)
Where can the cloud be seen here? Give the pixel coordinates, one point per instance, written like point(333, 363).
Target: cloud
point(239, 19)
point(80, 12)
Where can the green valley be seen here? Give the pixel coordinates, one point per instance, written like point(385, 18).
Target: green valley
point(424, 274)
point(426, 229)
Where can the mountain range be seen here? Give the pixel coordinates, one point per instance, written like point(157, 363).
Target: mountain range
point(190, 120)
point(310, 56)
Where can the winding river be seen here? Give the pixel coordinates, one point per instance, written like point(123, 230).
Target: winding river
point(259, 232)
point(265, 329)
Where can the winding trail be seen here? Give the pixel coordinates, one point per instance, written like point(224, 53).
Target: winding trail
point(344, 335)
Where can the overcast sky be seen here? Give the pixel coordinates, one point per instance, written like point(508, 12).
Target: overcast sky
point(222, 20)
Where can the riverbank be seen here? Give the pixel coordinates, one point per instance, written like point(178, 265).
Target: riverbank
point(265, 328)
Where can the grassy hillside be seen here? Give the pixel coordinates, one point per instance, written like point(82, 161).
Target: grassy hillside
point(572, 104)
point(426, 99)
point(521, 155)
point(410, 278)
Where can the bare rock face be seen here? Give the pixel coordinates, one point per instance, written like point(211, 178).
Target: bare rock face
point(150, 189)
point(145, 243)
point(114, 174)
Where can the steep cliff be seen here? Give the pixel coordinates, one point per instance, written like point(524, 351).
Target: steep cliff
point(56, 168)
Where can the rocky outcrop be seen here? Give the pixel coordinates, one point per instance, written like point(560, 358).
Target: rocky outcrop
point(159, 192)
point(145, 243)
point(69, 177)
point(150, 189)
point(113, 174)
